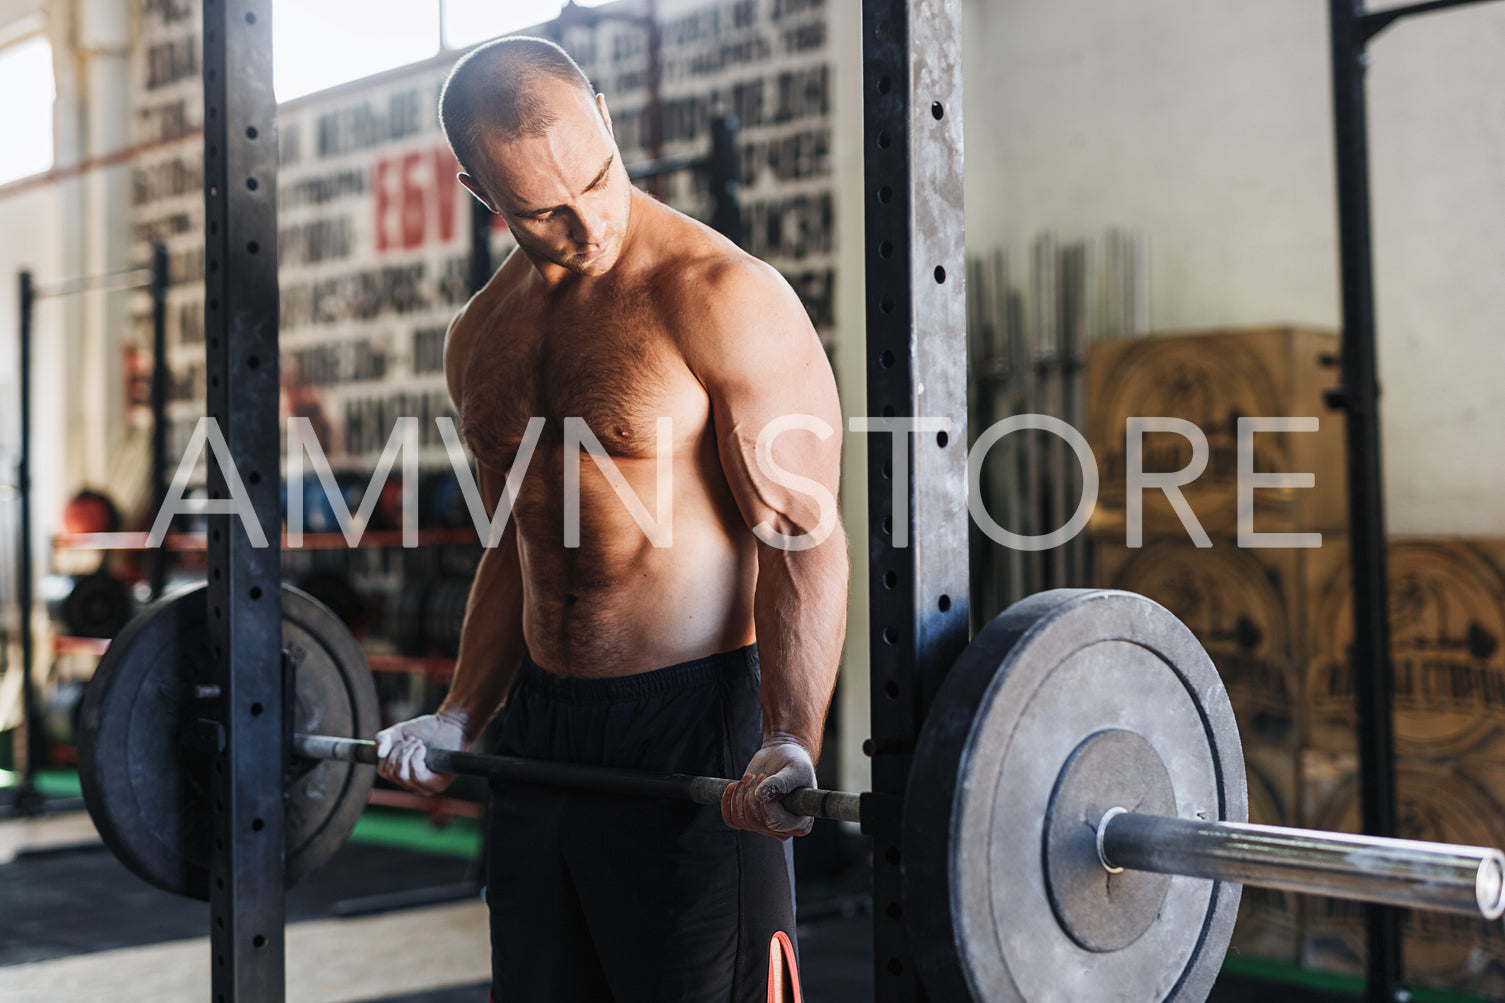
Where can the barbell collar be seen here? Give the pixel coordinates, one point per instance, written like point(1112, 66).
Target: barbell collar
point(1398, 872)
point(836, 805)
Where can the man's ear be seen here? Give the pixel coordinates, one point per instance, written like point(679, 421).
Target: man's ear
point(605, 115)
point(474, 187)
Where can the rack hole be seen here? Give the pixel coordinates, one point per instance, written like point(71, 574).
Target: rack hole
point(250, 19)
point(258, 941)
point(885, 85)
point(891, 636)
point(254, 362)
point(885, 195)
point(887, 469)
point(888, 410)
point(251, 132)
point(937, 111)
point(941, 438)
point(895, 911)
point(888, 525)
point(255, 591)
point(890, 579)
point(252, 184)
point(257, 825)
point(252, 247)
point(886, 249)
point(944, 603)
point(940, 274)
point(895, 966)
point(891, 690)
point(257, 709)
point(886, 304)
point(886, 360)
point(885, 140)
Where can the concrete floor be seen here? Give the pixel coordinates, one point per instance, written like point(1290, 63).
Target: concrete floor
point(435, 954)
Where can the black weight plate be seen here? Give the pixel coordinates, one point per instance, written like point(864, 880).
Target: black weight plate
point(1044, 676)
point(143, 765)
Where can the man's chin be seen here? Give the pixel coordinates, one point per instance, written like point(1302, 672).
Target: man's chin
point(594, 263)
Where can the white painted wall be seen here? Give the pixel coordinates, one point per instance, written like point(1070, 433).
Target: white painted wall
point(1208, 125)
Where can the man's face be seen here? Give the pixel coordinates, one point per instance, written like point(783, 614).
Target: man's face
point(564, 194)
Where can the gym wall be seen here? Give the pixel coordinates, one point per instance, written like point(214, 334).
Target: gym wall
point(1209, 126)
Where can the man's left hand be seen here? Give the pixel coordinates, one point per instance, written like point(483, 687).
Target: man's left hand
point(754, 801)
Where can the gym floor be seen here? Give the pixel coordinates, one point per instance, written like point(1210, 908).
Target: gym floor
point(78, 925)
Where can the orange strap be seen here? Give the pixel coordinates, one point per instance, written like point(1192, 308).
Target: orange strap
point(783, 972)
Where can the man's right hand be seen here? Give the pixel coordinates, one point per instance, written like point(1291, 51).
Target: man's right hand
point(401, 749)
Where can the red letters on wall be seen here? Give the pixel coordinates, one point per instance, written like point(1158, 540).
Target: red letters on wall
point(415, 198)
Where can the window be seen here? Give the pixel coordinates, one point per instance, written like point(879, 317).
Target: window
point(26, 81)
point(323, 43)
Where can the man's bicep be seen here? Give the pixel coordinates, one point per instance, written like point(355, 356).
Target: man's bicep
point(778, 425)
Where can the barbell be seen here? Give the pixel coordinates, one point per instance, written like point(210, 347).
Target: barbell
point(1075, 824)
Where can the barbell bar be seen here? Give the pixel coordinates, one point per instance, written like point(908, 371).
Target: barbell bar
point(816, 803)
point(1404, 872)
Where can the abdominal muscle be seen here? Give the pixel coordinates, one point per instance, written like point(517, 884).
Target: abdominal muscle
point(617, 605)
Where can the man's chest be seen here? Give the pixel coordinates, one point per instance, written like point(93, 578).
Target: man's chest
point(613, 374)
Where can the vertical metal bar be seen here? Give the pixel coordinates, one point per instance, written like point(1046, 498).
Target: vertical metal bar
point(725, 178)
point(480, 268)
point(28, 800)
point(1370, 656)
point(247, 902)
point(916, 347)
point(653, 106)
point(159, 407)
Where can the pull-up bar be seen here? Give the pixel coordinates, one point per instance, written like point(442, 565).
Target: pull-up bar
point(125, 279)
point(1373, 22)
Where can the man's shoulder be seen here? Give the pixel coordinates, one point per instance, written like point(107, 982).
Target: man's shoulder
point(504, 284)
point(479, 313)
point(717, 282)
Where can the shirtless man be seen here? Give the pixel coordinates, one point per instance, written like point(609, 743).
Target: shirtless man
point(638, 641)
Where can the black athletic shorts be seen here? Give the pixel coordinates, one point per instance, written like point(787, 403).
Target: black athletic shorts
point(603, 897)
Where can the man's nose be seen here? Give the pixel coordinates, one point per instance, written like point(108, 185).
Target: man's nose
point(586, 225)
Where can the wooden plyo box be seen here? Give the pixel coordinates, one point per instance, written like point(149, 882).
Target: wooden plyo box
point(1446, 613)
point(1452, 803)
point(1212, 379)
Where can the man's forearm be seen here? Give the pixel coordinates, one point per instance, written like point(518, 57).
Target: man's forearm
point(800, 610)
point(491, 642)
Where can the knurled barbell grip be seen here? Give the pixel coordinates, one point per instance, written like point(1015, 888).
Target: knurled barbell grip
point(816, 803)
point(1401, 872)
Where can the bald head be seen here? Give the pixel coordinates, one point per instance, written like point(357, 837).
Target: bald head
point(496, 92)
